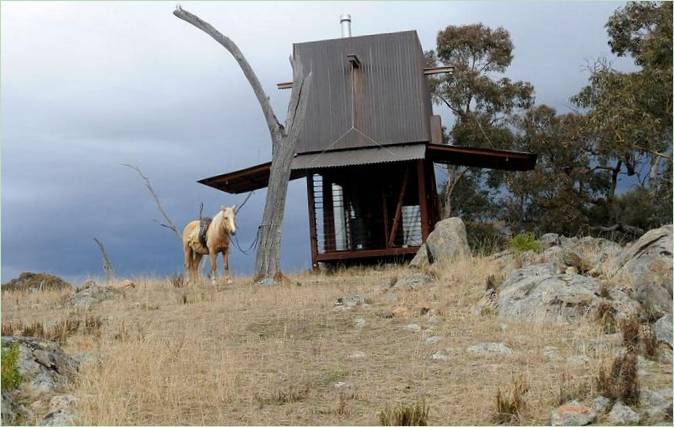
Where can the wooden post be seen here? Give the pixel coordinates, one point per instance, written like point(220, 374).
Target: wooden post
point(423, 199)
point(433, 188)
point(399, 208)
point(385, 217)
point(313, 241)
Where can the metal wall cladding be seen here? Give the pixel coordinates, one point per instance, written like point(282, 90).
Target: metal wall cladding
point(385, 101)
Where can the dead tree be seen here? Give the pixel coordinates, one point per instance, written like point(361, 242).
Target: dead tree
point(284, 139)
point(169, 224)
point(107, 265)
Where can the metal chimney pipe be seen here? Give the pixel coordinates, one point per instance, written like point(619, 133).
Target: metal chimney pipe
point(345, 22)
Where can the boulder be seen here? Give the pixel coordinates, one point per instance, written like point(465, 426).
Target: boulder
point(36, 282)
point(623, 415)
point(92, 294)
point(412, 280)
point(601, 404)
point(446, 243)
point(350, 301)
point(646, 267)
point(488, 348)
point(572, 414)
point(13, 413)
point(44, 367)
point(541, 293)
point(663, 329)
point(537, 292)
point(655, 405)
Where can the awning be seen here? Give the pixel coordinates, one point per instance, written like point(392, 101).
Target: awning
point(362, 156)
point(481, 157)
point(244, 180)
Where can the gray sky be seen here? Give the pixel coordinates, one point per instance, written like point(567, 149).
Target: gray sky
point(87, 86)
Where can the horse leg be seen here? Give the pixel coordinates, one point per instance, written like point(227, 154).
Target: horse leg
point(225, 266)
point(196, 263)
point(214, 264)
point(188, 262)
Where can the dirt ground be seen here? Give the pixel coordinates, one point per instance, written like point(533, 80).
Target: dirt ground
point(240, 354)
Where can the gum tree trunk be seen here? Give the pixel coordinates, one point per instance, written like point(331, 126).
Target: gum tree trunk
point(284, 139)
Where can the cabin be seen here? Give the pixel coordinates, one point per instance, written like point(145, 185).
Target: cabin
point(368, 149)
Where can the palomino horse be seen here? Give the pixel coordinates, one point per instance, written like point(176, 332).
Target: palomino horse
point(214, 240)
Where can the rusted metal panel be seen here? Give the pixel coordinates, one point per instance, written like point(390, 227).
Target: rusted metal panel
point(481, 157)
point(383, 101)
point(362, 156)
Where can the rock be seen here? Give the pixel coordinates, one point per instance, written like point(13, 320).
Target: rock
point(350, 300)
point(432, 340)
point(14, 413)
point(413, 327)
point(36, 282)
point(61, 411)
point(44, 367)
point(594, 251)
point(343, 385)
point(413, 280)
point(440, 356)
point(358, 355)
point(601, 404)
point(488, 348)
point(359, 323)
point(572, 414)
point(89, 296)
point(446, 243)
point(623, 415)
point(663, 329)
point(646, 265)
point(578, 360)
point(538, 293)
point(654, 405)
point(549, 239)
point(551, 353)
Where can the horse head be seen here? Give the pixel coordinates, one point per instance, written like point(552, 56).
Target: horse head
point(229, 219)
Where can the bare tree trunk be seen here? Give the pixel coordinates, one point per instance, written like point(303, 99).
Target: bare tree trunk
point(107, 265)
point(454, 176)
point(284, 139)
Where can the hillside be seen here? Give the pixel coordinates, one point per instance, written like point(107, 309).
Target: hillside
point(324, 349)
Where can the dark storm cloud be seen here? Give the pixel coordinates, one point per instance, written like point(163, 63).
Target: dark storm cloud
point(87, 86)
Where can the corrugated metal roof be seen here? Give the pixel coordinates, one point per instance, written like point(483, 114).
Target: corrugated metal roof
point(244, 180)
point(362, 156)
point(383, 101)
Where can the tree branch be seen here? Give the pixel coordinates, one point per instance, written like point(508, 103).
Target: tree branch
point(148, 185)
point(107, 265)
point(275, 127)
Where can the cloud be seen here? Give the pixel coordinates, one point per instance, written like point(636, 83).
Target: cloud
point(88, 85)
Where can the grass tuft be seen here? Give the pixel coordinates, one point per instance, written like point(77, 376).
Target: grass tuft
point(11, 378)
point(621, 380)
point(510, 406)
point(524, 242)
point(415, 414)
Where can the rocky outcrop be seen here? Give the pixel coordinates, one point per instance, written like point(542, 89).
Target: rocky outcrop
point(540, 293)
point(572, 414)
point(36, 282)
point(446, 243)
point(663, 329)
point(623, 415)
point(646, 267)
point(92, 294)
point(44, 367)
point(45, 372)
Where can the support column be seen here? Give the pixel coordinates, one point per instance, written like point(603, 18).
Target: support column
point(313, 241)
point(423, 199)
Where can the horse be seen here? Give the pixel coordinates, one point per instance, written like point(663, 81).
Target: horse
point(209, 239)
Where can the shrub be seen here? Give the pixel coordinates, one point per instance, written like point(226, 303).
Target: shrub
point(649, 341)
point(415, 414)
point(525, 242)
point(621, 381)
point(509, 406)
point(572, 390)
point(605, 315)
point(11, 378)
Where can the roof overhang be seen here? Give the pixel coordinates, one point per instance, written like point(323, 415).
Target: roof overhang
point(256, 177)
point(481, 157)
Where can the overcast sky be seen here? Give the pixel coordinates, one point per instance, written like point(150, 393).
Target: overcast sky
point(87, 86)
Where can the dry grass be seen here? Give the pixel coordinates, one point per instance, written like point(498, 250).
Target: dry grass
point(621, 380)
point(511, 404)
point(236, 354)
point(415, 414)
